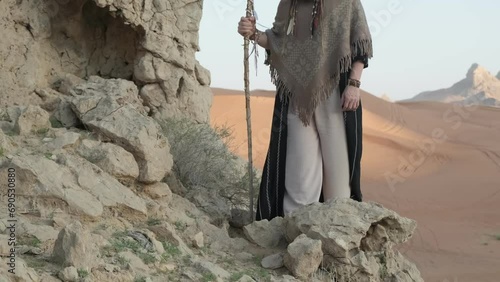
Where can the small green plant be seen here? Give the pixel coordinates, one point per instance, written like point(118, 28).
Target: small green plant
point(140, 279)
point(82, 273)
point(497, 237)
point(208, 276)
point(10, 133)
point(153, 221)
point(48, 156)
point(120, 234)
point(41, 131)
point(29, 240)
point(171, 251)
point(120, 242)
point(257, 260)
point(186, 259)
point(262, 273)
point(124, 244)
point(147, 258)
point(179, 225)
point(236, 276)
point(101, 226)
point(55, 123)
point(122, 261)
point(2, 152)
point(35, 262)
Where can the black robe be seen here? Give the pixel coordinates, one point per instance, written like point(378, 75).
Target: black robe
point(272, 186)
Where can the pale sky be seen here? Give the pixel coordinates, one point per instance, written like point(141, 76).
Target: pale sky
point(419, 45)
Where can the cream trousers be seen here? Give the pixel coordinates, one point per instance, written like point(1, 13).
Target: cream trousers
point(316, 156)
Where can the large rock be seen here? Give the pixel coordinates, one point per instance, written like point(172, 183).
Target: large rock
point(343, 225)
point(76, 247)
point(267, 234)
point(303, 256)
point(32, 119)
point(64, 114)
point(64, 140)
point(22, 272)
point(73, 185)
point(68, 274)
point(134, 263)
point(206, 266)
point(357, 237)
point(112, 108)
point(110, 157)
point(273, 261)
point(159, 190)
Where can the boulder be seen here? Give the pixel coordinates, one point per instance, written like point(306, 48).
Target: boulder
point(153, 95)
point(64, 140)
point(111, 158)
point(110, 192)
point(206, 266)
point(64, 114)
point(73, 185)
point(69, 274)
point(357, 237)
point(267, 234)
point(66, 82)
point(50, 98)
point(273, 261)
point(239, 218)
point(22, 271)
point(197, 240)
point(76, 247)
point(134, 263)
point(344, 224)
point(303, 256)
point(31, 120)
point(112, 108)
point(158, 190)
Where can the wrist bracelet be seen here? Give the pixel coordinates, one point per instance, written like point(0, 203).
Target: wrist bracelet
point(354, 82)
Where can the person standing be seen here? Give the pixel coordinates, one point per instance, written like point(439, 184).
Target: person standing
point(316, 50)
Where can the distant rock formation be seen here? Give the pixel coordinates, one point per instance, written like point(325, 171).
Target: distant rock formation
point(386, 97)
point(479, 87)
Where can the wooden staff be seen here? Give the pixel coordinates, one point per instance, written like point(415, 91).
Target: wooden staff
point(249, 13)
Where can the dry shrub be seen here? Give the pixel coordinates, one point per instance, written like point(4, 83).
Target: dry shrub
point(202, 158)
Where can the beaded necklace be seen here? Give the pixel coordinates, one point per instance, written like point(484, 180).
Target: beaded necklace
point(316, 15)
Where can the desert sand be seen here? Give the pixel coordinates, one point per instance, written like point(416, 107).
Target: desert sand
point(433, 162)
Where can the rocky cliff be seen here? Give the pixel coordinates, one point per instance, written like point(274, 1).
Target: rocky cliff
point(152, 43)
point(479, 87)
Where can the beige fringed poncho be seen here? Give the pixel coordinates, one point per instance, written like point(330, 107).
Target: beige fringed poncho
point(308, 64)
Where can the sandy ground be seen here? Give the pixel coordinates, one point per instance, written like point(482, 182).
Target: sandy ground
point(436, 163)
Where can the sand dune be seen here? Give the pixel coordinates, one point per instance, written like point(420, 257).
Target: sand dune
point(433, 162)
